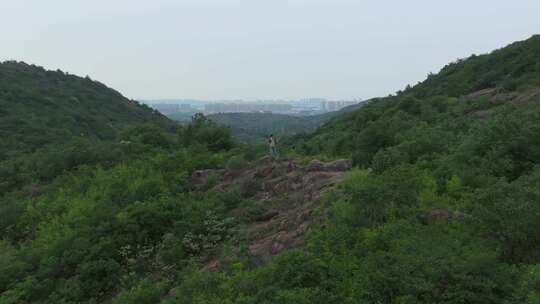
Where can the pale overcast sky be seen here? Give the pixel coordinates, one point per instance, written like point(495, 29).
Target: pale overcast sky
point(224, 49)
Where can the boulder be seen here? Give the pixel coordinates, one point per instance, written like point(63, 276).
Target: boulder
point(339, 165)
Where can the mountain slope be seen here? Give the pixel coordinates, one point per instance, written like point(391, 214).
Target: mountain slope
point(79, 217)
point(514, 67)
point(40, 107)
point(53, 124)
point(443, 206)
point(442, 102)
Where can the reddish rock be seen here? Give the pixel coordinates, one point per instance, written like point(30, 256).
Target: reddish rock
point(289, 190)
point(264, 172)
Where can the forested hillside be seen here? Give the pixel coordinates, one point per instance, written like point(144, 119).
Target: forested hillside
point(447, 103)
point(442, 205)
point(40, 107)
point(82, 219)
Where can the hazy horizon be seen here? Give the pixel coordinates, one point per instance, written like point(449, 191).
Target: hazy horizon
point(233, 49)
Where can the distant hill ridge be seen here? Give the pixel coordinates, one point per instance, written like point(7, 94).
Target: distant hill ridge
point(253, 127)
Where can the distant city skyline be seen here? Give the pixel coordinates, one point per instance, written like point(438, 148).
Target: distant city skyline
point(281, 49)
point(233, 100)
point(306, 106)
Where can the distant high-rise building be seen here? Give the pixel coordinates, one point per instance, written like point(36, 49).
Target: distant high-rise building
point(332, 106)
point(323, 106)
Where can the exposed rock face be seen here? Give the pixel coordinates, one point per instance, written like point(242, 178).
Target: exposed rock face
point(289, 193)
point(339, 165)
point(532, 95)
point(264, 172)
point(490, 92)
point(315, 165)
point(497, 96)
point(335, 166)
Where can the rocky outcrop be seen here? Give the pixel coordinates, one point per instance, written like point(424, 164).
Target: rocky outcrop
point(314, 166)
point(340, 165)
point(287, 191)
point(496, 96)
point(335, 166)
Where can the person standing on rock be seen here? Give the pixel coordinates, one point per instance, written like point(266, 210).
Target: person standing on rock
point(272, 146)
